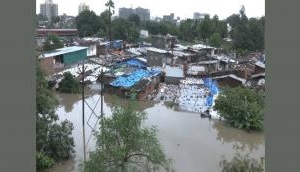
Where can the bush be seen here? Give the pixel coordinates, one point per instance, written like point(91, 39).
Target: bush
point(43, 161)
point(243, 164)
point(242, 107)
point(69, 84)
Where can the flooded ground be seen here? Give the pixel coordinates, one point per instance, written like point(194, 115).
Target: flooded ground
point(194, 143)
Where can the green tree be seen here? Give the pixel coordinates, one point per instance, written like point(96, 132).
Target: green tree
point(215, 40)
point(206, 28)
point(241, 163)
point(247, 34)
point(52, 42)
point(111, 6)
point(53, 140)
point(186, 30)
point(124, 30)
point(69, 84)
point(123, 144)
point(135, 19)
point(242, 107)
point(87, 23)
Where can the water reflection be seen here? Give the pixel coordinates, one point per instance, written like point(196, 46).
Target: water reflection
point(113, 100)
point(240, 138)
point(240, 162)
point(194, 143)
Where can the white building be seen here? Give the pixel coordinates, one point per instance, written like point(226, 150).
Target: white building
point(49, 9)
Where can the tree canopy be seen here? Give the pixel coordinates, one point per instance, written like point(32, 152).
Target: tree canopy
point(69, 84)
point(247, 34)
point(53, 139)
point(87, 23)
point(52, 42)
point(124, 145)
point(242, 107)
point(242, 163)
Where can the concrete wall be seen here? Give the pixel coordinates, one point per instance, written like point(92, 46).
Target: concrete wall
point(156, 59)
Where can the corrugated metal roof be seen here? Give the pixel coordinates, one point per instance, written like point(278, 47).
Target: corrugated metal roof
point(260, 64)
point(61, 51)
point(174, 72)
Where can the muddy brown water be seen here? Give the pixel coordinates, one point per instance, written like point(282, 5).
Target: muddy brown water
point(195, 144)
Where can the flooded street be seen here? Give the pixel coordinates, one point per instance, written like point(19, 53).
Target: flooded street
point(194, 143)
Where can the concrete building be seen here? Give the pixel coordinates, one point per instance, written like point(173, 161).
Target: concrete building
point(57, 60)
point(82, 7)
point(125, 12)
point(199, 16)
point(157, 57)
point(49, 9)
point(143, 13)
point(169, 18)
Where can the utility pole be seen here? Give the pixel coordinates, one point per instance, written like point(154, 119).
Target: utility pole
point(83, 121)
point(101, 75)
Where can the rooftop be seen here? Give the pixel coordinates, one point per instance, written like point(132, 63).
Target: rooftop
point(260, 64)
point(156, 50)
point(174, 71)
point(61, 51)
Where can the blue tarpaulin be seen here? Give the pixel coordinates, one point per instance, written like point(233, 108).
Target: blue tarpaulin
point(135, 77)
point(136, 62)
point(213, 87)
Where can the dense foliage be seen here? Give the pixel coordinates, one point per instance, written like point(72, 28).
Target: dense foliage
point(87, 23)
point(53, 139)
point(123, 144)
point(69, 84)
point(52, 42)
point(247, 34)
point(242, 107)
point(241, 163)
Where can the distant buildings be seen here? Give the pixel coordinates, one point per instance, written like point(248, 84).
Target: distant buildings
point(49, 9)
point(82, 7)
point(169, 18)
point(199, 16)
point(144, 14)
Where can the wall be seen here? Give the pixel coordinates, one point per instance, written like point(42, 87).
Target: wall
point(49, 67)
point(74, 57)
point(156, 59)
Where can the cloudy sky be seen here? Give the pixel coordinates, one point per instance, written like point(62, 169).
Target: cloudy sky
point(180, 8)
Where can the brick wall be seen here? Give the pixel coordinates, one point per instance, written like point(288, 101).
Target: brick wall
point(49, 67)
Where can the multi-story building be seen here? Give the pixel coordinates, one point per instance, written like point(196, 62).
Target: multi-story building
point(199, 16)
point(169, 18)
point(82, 7)
point(125, 12)
point(49, 9)
point(144, 14)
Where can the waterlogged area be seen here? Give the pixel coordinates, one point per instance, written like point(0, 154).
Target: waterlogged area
point(194, 143)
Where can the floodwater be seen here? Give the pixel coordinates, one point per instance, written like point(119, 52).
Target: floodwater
point(193, 143)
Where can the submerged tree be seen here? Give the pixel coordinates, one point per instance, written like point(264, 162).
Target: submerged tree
point(69, 84)
point(53, 140)
point(242, 107)
point(124, 145)
point(241, 163)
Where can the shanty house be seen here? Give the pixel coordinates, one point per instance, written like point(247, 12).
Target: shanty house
point(56, 60)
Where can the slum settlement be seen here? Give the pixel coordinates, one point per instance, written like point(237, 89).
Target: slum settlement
point(188, 76)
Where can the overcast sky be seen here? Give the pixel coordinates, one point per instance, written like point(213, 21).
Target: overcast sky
point(180, 8)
